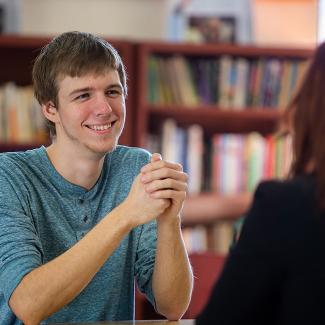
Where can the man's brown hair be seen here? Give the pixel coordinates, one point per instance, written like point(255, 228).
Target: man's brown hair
point(72, 54)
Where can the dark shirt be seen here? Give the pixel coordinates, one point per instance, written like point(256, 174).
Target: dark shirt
point(276, 272)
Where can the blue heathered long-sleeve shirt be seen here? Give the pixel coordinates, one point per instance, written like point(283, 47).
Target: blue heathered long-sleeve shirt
point(42, 215)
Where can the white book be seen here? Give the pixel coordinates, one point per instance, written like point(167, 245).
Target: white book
point(232, 166)
point(256, 149)
point(224, 81)
point(169, 147)
point(195, 158)
point(241, 86)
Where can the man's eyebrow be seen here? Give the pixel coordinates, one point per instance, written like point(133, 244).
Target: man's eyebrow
point(79, 90)
point(86, 89)
point(117, 85)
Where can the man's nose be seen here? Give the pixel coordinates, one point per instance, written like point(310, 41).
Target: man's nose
point(102, 106)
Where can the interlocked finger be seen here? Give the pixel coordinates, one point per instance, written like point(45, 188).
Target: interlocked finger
point(169, 194)
point(163, 173)
point(159, 164)
point(167, 183)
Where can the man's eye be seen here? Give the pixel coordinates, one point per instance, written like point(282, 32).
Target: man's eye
point(82, 96)
point(114, 92)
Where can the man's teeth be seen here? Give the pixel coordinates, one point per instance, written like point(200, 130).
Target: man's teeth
point(100, 127)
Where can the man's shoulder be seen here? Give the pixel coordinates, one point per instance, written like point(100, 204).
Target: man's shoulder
point(121, 149)
point(127, 154)
point(17, 164)
point(18, 157)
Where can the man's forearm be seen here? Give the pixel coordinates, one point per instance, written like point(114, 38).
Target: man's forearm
point(172, 278)
point(48, 288)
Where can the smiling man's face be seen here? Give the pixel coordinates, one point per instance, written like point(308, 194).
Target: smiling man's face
point(91, 112)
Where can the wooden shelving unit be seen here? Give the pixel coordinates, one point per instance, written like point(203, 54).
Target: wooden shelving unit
point(215, 120)
point(17, 54)
point(206, 208)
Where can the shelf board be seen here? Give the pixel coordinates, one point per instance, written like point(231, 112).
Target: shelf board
point(216, 120)
point(22, 42)
point(208, 208)
point(191, 49)
point(35, 42)
point(5, 147)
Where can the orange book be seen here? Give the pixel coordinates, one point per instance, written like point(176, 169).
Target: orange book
point(269, 157)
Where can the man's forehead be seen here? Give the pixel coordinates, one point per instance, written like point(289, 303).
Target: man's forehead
point(113, 73)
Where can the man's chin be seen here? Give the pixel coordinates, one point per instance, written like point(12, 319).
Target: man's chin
point(103, 150)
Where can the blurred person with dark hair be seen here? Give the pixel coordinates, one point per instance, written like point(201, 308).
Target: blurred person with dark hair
point(276, 272)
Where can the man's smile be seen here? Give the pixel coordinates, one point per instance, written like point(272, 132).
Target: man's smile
point(100, 127)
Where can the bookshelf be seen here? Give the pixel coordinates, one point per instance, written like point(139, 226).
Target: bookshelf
point(212, 116)
point(262, 116)
point(17, 54)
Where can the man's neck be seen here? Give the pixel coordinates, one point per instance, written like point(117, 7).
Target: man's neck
point(75, 168)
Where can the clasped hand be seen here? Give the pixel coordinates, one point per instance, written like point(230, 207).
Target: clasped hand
point(158, 191)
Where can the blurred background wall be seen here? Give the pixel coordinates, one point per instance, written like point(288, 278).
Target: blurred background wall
point(142, 19)
point(258, 21)
point(285, 22)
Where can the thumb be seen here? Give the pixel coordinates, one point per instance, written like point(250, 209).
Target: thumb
point(156, 157)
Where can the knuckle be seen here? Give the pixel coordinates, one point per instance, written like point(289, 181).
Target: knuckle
point(146, 177)
point(161, 163)
point(169, 182)
point(152, 186)
point(165, 172)
point(179, 167)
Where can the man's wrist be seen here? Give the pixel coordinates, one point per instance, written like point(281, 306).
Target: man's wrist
point(173, 222)
point(124, 217)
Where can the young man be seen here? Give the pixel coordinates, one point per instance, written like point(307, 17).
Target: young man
point(81, 218)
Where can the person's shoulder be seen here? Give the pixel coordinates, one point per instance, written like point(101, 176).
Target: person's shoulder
point(18, 160)
point(296, 192)
point(11, 158)
point(300, 184)
point(125, 153)
point(276, 207)
point(126, 161)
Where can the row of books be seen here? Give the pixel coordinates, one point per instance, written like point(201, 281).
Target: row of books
point(225, 163)
point(21, 118)
point(229, 82)
point(216, 238)
point(185, 146)
point(239, 162)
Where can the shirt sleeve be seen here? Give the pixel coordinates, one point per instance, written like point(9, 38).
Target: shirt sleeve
point(145, 259)
point(247, 288)
point(20, 247)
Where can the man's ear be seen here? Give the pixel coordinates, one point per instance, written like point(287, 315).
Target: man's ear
point(50, 112)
